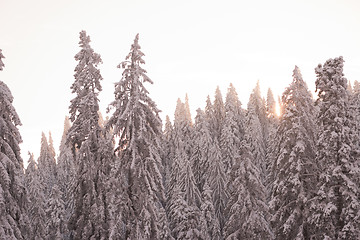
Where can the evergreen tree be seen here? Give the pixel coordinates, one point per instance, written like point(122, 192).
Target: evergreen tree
point(208, 210)
point(185, 218)
point(47, 165)
point(218, 115)
point(257, 127)
point(294, 168)
point(233, 129)
point(168, 151)
point(55, 211)
point(182, 127)
point(201, 155)
point(218, 182)
point(90, 216)
point(84, 107)
point(137, 124)
point(259, 105)
point(66, 172)
point(335, 208)
point(36, 209)
point(247, 210)
point(13, 198)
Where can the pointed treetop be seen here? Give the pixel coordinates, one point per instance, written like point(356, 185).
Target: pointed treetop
point(180, 114)
point(297, 74)
point(2, 65)
point(187, 109)
point(84, 39)
point(135, 56)
point(31, 163)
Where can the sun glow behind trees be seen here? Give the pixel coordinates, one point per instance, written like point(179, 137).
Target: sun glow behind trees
point(230, 174)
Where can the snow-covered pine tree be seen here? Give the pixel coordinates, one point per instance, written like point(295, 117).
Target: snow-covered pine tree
point(36, 208)
point(294, 168)
point(212, 225)
point(168, 152)
point(90, 217)
point(13, 198)
point(233, 129)
point(248, 215)
point(182, 127)
point(46, 166)
point(66, 173)
point(202, 143)
point(272, 122)
point(55, 211)
point(84, 107)
point(335, 208)
point(218, 183)
point(259, 105)
point(137, 125)
point(209, 110)
point(256, 126)
point(218, 115)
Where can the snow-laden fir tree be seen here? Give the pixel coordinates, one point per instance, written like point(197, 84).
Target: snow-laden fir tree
point(202, 143)
point(208, 210)
point(218, 183)
point(256, 126)
point(36, 208)
point(272, 125)
point(46, 166)
point(185, 219)
point(294, 168)
point(168, 152)
point(233, 129)
point(55, 211)
point(248, 215)
point(218, 116)
point(13, 198)
point(84, 107)
point(335, 209)
point(259, 106)
point(66, 174)
point(90, 217)
point(137, 125)
point(183, 127)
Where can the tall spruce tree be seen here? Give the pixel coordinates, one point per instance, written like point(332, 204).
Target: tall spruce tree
point(218, 181)
point(218, 115)
point(66, 173)
point(55, 211)
point(90, 217)
point(47, 166)
point(137, 125)
point(202, 143)
point(233, 129)
point(13, 198)
point(335, 209)
point(256, 125)
point(294, 168)
point(36, 209)
point(248, 215)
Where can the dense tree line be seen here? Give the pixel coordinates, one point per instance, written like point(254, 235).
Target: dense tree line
point(232, 173)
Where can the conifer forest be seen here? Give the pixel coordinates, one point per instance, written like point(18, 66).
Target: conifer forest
point(230, 172)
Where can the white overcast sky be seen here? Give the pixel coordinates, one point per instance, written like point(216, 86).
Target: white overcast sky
point(190, 47)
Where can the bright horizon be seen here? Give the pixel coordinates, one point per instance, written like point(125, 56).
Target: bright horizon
point(190, 47)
